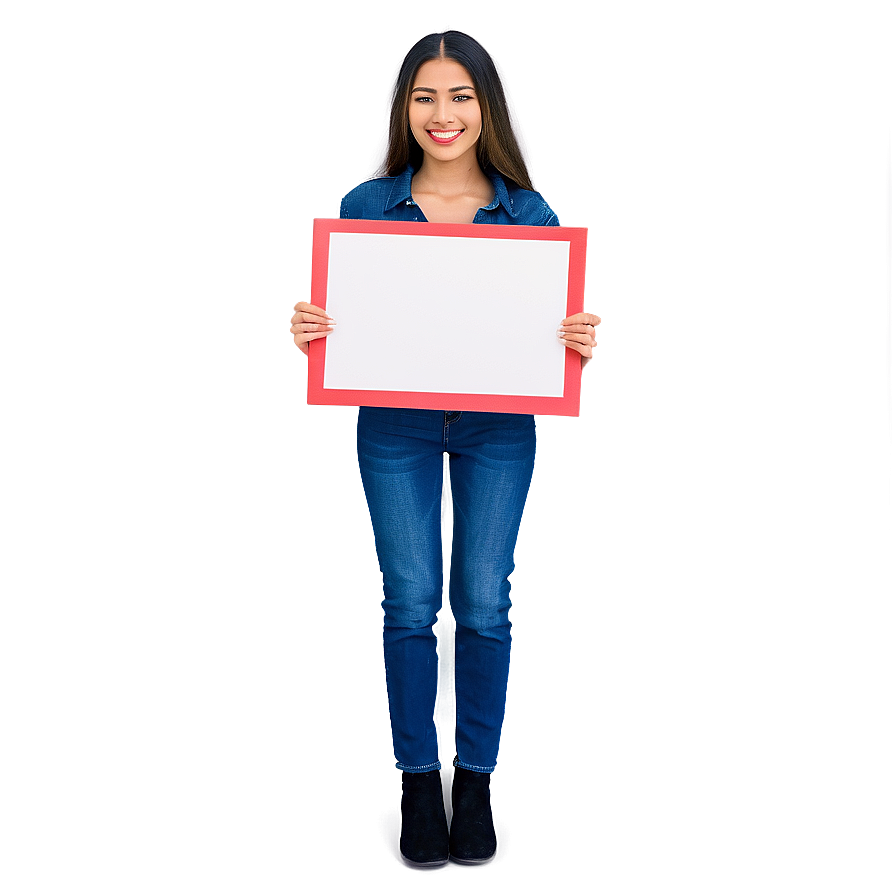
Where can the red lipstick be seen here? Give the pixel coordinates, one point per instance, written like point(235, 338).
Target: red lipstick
point(436, 135)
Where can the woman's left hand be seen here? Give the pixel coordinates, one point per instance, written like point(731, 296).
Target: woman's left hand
point(577, 332)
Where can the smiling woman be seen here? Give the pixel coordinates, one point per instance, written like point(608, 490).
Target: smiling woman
point(442, 112)
point(446, 123)
point(453, 158)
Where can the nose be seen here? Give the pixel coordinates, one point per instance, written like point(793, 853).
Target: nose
point(443, 112)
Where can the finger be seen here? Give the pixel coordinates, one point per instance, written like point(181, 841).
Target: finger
point(311, 309)
point(576, 328)
point(306, 312)
point(303, 319)
point(303, 308)
point(583, 317)
point(586, 338)
point(301, 338)
point(310, 328)
point(583, 343)
point(581, 348)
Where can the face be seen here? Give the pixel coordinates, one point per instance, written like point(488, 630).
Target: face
point(444, 111)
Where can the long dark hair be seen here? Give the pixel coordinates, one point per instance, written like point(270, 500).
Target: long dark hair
point(497, 146)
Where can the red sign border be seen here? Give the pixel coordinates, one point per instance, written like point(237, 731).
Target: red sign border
point(565, 405)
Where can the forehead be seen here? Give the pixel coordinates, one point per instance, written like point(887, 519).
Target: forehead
point(442, 74)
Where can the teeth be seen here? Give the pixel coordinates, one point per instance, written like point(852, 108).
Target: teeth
point(445, 135)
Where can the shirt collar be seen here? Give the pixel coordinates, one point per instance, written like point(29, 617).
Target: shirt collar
point(502, 197)
point(401, 191)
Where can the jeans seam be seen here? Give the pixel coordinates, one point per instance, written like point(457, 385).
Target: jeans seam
point(447, 424)
point(487, 769)
point(411, 768)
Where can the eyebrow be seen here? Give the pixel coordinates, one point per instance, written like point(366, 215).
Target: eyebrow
point(451, 90)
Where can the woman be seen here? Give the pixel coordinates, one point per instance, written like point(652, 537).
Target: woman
point(452, 158)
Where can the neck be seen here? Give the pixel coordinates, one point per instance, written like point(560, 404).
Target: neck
point(450, 178)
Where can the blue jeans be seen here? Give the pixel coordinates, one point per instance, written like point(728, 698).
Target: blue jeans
point(400, 453)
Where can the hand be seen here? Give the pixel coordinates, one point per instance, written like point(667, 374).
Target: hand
point(310, 322)
point(577, 332)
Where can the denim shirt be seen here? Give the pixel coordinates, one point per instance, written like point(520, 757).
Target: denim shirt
point(389, 199)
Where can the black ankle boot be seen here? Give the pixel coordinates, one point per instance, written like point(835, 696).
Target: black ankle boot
point(424, 826)
point(472, 839)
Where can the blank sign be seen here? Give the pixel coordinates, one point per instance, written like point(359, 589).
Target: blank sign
point(460, 317)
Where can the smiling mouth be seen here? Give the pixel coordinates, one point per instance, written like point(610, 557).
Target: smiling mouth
point(445, 136)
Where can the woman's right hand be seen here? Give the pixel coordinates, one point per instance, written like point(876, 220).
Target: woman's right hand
point(310, 322)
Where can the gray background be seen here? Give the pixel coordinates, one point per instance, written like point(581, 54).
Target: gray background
point(191, 690)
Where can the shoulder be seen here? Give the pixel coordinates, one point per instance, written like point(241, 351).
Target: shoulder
point(377, 197)
point(524, 206)
point(366, 197)
point(531, 208)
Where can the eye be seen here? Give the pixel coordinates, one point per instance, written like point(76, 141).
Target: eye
point(423, 99)
point(463, 96)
